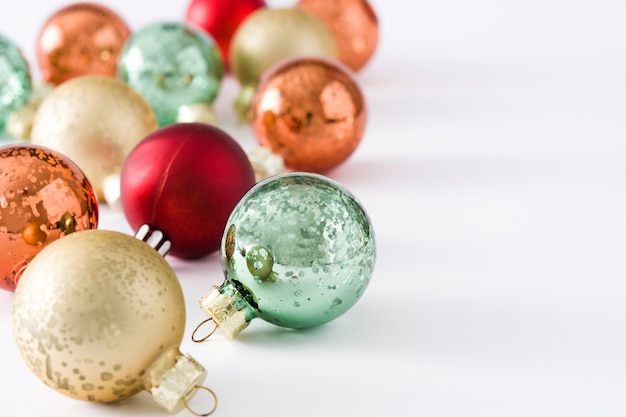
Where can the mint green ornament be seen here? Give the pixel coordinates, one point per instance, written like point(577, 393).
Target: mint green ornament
point(298, 251)
point(175, 68)
point(15, 80)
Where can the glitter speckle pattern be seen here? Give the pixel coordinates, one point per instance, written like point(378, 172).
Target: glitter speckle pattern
point(15, 80)
point(93, 311)
point(299, 249)
point(43, 197)
point(171, 65)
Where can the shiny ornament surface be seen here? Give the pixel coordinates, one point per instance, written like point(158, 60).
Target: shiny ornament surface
point(97, 315)
point(298, 251)
point(81, 38)
point(271, 35)
point(15, 80)
point(96, 121)
point(354, 26)
point(43, 196)
point(220, 19)
point(171, 65)
point(184, 180)
point(311, 112)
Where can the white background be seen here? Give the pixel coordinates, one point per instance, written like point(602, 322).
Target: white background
point(492, 167)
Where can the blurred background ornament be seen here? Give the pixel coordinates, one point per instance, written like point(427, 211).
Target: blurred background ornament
point(79, 39)
point(96, 121)
point(354, 26)
point(220, 19)
point(298, 251)
point(43, 196)
point(268, 36)
point(173, 65)
point(310, 111)
point(184, 180)
point(15, 80)
point(20, 122)
point(99, 316)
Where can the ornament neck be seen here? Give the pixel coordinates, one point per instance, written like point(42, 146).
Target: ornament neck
point(155, 238)
point(173, 379)
point(228, 308)
point(243, 102)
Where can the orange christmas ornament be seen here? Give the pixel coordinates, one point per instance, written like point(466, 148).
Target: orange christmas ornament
point(353, 24)
point(43, 197)
point(309, 111)
point(80, 39)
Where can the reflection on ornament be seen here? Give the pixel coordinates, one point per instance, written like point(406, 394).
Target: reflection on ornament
point(220, 18)
point(354, 26)
point(96, 121)
point(15, 80)
point(268, 36)
point(99, 316)
point(171, 65)
point(80, 39)
point(184, 180)
point(311, 112)
point(43, 197)
point(298, 251)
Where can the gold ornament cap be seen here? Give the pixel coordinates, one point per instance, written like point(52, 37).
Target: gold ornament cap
point(219, 307)
point(173, 379)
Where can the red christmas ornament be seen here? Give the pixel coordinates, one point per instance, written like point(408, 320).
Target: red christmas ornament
point(220, 18)
point(184, 180)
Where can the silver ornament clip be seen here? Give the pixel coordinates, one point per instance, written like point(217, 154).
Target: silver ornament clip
point(155, 238)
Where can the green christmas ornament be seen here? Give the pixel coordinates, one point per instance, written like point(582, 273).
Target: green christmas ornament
point(176, 68)
point(15, 80)
point(298, 251)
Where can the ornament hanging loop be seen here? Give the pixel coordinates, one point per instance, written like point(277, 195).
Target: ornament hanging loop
point(193, 335)
point(201, 387)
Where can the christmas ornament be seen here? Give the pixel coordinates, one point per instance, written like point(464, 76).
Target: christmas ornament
point(20, 122)
point(354, 26)
point(96, 121)
point(43, 197)
point(220, 18)
point(310, 111)
point(99, 316)
point(184, 180)
point(172, 65)
point(15, 80)
point(298, 251)
point(269, 36)
point(79, 39)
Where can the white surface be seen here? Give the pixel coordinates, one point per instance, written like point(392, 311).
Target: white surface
point(493, 170)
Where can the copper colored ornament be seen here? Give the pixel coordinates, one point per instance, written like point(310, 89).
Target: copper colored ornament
point(96, 121)
point(311, 112)
point(354, 26)
point(79, 39)
point(43, 197)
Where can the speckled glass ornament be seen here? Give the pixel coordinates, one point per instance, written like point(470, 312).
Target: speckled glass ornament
point(79, 39)
point(354, 26)
point(298, 251)
point(99, 316)
point(15, 80)
point(43, 197)
point(96, 121)
point(171, 65)
point(311, 112)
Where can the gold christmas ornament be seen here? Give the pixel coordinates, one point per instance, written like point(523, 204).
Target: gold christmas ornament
point(270, 35)
point(96, 121)
point(99, 316)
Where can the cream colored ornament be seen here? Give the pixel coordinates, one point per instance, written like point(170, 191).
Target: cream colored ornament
point(270, 35)
point(95, 121)
point(99, 316)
